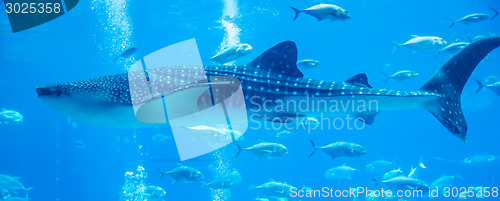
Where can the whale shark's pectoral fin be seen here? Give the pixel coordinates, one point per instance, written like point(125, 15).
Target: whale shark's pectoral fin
point(367, 118)
point(360, 80)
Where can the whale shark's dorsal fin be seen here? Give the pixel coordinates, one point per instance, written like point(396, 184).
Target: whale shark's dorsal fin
point(360, 80)
point(280, 60)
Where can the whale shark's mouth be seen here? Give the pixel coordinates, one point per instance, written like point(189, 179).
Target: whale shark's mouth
point(50, 91)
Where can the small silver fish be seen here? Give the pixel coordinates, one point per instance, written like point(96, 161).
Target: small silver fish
point(378, 166)
point(340, 149)
point(79, 144)
point(454, 47)
point(184, 173)
point(323, 11)
point(274, 189)
point(283, 134)
point(480, 158)
point(266, 150)
point(401, 75)
point(474, 18)
point(404, 183)
point(308, 63)
point(420, 43)
point(220, 183)
point(159, 138)
point(340, 172)
point(215, 135)
point(9, 184)
point(393, 173)
point(261, 199)
point(226, 181)
point(445, 181)
point(232, 53)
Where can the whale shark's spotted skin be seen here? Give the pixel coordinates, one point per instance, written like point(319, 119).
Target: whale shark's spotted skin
point(298, 86)
point(115, 88)
point(271, 76)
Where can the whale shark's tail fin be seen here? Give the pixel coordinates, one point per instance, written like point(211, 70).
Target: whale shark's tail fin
point(449, 82)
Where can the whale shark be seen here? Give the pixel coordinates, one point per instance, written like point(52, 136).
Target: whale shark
point(273, 78)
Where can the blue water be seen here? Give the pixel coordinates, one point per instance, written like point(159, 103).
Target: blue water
point(84, 42)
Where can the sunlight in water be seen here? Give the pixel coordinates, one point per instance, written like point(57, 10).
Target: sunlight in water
point(232, 32)
point(221, 166)
point(135, 187)
point(133, 182)
point(115, 36)
point(230, 9)
point(231, 35)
